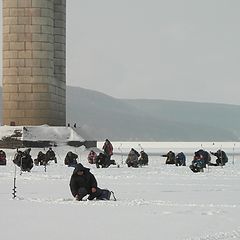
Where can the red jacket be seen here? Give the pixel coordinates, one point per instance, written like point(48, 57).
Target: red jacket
point(108, 148)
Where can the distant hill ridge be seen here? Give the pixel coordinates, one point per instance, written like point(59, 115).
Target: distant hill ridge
point(102, 116)
point(151, 120)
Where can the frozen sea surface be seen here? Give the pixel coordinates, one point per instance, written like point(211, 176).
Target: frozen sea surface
point(153, 202)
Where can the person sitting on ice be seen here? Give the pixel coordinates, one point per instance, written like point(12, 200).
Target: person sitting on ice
point(180, 159)
point(197, 163)
point(143, 160)
point(83, 183)
point(71, 159)
point(23, 160)
point(170, 157)
point(3, 160)
point(222, 158)
point(104, 161)
point(50, 155)
point(41, 159)
point(132, 158)
point(92, 157)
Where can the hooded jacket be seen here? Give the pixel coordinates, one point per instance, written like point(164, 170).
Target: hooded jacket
point(87, 180)
point(108, 148)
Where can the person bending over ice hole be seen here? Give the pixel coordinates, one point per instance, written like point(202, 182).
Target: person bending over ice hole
point(197, 163)
point(221, 160)
point(50, 155)
point(132, 159)
point(170, 157)
point(180, 159)
point(205, 156)
point(41, 159)
point(83, 183)
point(71, 159)
point(17, 158)
point(143, 160)
point(104, 161)
point(23, 160)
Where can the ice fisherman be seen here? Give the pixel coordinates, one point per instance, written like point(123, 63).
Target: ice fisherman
point(180, 159)
point(143, 159)
point(83, 183)
point(132, 158)
point(222, 158)
point(50, 155)
point(197, 163)
point(24, 160)
point(41, 159)
point(92, 157)
point(108, 148)
point(104, 161)
point(71, 159)
point(170, 157)
point(3, 160)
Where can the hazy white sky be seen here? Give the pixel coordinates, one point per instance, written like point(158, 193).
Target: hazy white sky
point(167, 49)
point(164, 49)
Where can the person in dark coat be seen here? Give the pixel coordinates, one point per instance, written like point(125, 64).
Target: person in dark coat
point(27, 162)
point(3, 160)
point(83, 183)
point(132, 159)
point(17, 158)
point(197, 163)
point(104, 161)
point(71, 159)
point(170, 157)
point(50, 155)
point(180, 159)
point(221, 160)
point(23, 160)
point(143, 160)
point(205, 156)
point(41, 159)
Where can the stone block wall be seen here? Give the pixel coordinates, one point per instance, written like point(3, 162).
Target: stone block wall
point(34, 62)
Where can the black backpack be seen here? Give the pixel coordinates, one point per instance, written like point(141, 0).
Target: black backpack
point(106, 195)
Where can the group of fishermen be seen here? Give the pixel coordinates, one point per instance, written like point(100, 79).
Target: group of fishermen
point(178, 160)
point(23, 159)
point(200, 160)
point(84, 184)
point(134, 159)
point(102, 159)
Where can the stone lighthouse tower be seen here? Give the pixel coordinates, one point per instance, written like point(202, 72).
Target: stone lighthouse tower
point(34, 62)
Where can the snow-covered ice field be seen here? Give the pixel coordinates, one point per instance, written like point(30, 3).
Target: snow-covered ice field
point(153, 202)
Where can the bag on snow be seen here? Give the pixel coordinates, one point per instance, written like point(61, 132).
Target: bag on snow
point(106, 195)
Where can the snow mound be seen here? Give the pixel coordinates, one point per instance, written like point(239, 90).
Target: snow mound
point(46, 133)
point(40, 133)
